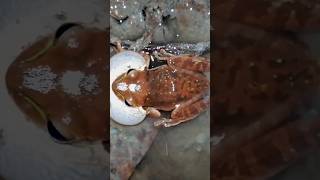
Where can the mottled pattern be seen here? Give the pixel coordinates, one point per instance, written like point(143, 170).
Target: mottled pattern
point(178, 86)
point(165, 87)
point(173, 86)
point(190, 62)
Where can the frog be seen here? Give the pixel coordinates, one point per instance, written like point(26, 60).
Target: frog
point(59, 83)
point(179, 86)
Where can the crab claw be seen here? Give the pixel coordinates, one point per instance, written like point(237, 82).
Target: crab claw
point(119, 111)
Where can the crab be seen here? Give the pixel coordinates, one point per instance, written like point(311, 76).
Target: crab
point(179, 86)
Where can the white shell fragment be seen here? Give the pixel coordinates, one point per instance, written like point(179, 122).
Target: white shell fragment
point(119, 111)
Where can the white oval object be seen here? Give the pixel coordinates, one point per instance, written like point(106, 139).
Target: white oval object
point(119, 111)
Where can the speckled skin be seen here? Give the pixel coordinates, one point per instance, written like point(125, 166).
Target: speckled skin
point(179, 87)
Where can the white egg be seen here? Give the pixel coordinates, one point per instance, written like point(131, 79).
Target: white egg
point(119, 111)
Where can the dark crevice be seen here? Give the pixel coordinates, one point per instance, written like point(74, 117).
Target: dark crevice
point(166, 18)
point(144, 13)
point(120, 21)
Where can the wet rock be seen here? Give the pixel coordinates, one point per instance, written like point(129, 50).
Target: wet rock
point(168, 21)
point(193, 21)
point(128, 146)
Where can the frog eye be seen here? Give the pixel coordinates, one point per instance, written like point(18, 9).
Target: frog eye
point(132, 73)
point(52, 42)
point(55, 133)
point(52, 130)
point(128, 103)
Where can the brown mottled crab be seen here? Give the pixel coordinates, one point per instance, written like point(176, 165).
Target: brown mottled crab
point(179, 86)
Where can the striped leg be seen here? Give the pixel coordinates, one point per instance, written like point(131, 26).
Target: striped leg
point(189, 62)
point(185, 112)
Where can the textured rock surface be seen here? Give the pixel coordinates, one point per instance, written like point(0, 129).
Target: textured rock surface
point(128, 147)
point(181, 152)
point(169, 21)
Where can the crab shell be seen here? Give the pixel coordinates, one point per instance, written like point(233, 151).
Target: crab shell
point(119, 111)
